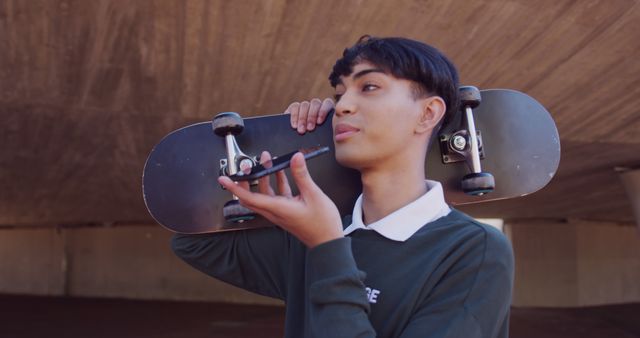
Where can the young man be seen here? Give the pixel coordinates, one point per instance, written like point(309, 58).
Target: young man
point(405, 264)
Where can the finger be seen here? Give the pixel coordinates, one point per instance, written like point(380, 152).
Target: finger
point(264, 183)
point(283, 184)
point(301, 175)
point(314, 108)
point(232, 186)
point(325, 108)
point(302, 117)
point(247, 198)
point(293, 109)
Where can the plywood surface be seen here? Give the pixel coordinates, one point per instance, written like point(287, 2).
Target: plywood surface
point(88, 87)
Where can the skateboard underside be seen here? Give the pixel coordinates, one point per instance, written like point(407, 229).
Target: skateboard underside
point(520, 144)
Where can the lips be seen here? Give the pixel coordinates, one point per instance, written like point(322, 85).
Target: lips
point(343, 131)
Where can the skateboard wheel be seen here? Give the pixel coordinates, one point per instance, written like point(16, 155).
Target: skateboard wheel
point(228, 122)
point(478, 184)
point(236, 213)
point(469, 96)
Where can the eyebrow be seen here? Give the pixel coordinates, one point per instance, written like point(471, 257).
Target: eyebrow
point(367, 71)
point(363, 73)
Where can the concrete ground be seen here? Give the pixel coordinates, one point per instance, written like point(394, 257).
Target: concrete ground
point(29, 316)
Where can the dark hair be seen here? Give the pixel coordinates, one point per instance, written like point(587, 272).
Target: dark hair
point(403, 58)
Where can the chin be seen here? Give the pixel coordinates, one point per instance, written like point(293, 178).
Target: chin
point(350, 159)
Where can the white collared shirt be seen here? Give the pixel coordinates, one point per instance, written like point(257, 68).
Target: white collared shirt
point(406, 221)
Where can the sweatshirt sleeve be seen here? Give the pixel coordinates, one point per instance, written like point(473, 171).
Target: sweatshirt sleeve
point(255, 260)
point(338, 300)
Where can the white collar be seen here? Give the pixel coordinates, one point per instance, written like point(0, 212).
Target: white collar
point(406, 221)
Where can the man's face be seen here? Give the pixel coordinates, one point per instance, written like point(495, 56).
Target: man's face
point(375, 119)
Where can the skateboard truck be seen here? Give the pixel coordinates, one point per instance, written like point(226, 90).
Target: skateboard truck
point(466, 145)
point(228, 125)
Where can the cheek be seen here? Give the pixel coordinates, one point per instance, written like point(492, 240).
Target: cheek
point(395, 125)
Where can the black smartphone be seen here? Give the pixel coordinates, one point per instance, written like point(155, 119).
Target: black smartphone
point(276, 164)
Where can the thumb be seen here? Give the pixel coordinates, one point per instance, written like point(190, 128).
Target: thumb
point(301, 176)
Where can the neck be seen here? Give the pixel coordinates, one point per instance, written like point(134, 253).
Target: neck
point(385, 191)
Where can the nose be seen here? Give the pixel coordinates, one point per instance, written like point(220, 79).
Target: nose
point(346, 105)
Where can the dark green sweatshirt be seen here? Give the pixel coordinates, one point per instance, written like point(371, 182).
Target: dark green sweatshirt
point(452, 278)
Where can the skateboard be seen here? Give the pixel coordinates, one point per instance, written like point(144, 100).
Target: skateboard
point(503, 144)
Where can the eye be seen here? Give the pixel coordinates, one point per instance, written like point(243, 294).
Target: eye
point(337, 97)
point(369, 87)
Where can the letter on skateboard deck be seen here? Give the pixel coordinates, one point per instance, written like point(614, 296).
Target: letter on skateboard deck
point(515, 152)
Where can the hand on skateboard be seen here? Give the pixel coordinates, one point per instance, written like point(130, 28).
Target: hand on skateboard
point(306, 115)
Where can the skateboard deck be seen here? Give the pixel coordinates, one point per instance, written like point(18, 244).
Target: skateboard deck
point(520, 147)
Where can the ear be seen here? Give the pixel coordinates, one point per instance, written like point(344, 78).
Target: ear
point(433, 109)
